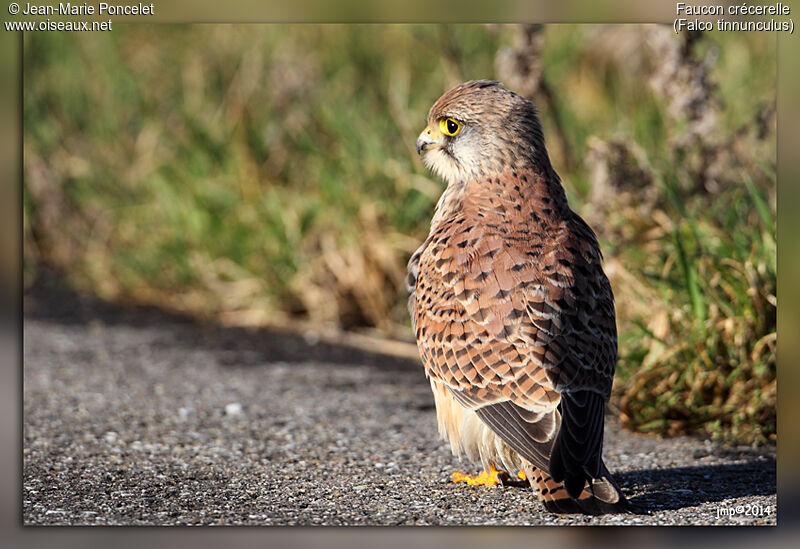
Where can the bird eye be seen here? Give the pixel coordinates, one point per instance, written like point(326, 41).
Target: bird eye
point(449, 126)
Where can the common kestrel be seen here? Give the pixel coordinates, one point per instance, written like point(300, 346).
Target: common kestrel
point(513, 315)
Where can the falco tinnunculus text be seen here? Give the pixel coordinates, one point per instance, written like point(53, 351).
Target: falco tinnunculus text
point(513, 314)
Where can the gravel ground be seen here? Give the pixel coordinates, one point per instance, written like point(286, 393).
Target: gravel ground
point(136, 417)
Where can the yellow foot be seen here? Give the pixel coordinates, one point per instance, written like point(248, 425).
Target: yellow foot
point(492, 477)
point(485, 478)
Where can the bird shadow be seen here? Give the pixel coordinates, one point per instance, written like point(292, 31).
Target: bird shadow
point(682, 487)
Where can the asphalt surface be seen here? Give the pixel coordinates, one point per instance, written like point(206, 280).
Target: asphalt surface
point(137, 417)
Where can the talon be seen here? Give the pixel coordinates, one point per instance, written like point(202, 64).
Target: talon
point(521, 481)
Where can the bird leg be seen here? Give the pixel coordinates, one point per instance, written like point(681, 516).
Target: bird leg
point(492, 477)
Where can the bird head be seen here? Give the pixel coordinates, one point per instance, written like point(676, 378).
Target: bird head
point(478, 128)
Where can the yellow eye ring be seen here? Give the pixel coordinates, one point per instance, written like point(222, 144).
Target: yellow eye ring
point(450, 126)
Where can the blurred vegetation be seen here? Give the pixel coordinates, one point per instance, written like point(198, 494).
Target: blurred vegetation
point(257, 174)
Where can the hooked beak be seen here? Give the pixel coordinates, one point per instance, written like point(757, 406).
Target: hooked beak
point(428, 139)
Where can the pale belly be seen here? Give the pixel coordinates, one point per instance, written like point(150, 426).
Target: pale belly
point(469, 436)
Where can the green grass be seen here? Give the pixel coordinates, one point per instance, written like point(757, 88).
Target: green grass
point(250, 174)
point(711, 366)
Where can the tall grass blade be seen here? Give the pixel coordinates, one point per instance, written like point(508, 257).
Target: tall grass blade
point(690, 282)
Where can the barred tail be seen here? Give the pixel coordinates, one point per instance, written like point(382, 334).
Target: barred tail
point(601, 496)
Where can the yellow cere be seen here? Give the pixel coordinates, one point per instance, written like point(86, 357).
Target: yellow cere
point(450, 126)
